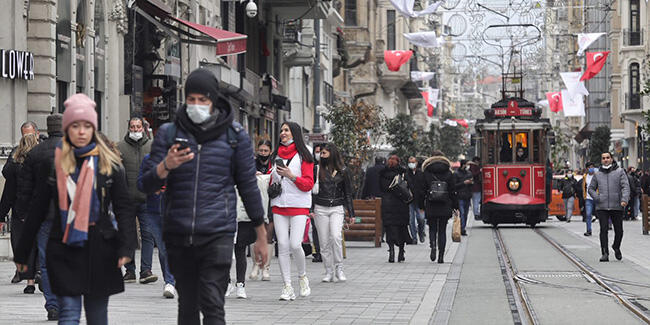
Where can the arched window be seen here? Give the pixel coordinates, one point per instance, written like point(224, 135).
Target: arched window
point(635, 87)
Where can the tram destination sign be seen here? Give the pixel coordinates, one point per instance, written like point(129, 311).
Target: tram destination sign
point(16, 64)
point(513, 109)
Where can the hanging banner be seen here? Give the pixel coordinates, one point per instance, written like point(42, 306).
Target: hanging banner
point(423, 39)
point(395, 59)
point(425, 95)
point(421, 75)
point(595, 62)
point(405, 7)
point(451, 123)
point(554, 101)
point(572, 104)
point(573, 83)
point(584, 40)
point(433, 97)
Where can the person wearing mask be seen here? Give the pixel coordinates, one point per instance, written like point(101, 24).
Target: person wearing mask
point(464, 182)
point(569, 188)
point(589, 200)
point(8, 200)
point(39, 158)
point(294, 172)
point(415, 178)
point(200, 158)
point(317, 258)
point(87, 246)
point(439, 200)
point(610, 189)
point(333, 199)
point(263, 164)
point(20, 203)
point(133, 148)
point(153, 213)
point(371, 188)
point(394, 212)
point(522, 155)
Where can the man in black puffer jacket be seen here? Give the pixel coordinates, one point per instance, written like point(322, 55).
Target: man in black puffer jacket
point(464, 182)
point(200, 217)
point(40, 158)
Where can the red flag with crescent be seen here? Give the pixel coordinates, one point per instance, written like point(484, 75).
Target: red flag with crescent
point(554, 101)
point(395, 59)
point(425, 95)
point(595, 62)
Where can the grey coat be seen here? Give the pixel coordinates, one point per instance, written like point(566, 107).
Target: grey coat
point(132, 154)
point(609, 188)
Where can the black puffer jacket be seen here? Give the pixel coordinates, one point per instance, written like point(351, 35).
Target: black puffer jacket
point(416, 182)
point(335, 191)
point(463, 191)
point(437, 168)
point(394, 212)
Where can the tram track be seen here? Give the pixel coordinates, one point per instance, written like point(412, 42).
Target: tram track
point(521, 307)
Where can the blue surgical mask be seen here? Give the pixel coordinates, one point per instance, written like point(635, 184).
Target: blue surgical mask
point(198, 113)
point(592, 170)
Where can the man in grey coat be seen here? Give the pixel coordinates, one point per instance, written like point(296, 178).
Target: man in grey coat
point(611, 192)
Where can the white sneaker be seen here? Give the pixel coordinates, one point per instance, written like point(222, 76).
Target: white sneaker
point(266, 273)
point(329, 277)
point(287, 293)
point(169, 291)
point(230, 289)
point(339, 273)
point(255, 272)
point(304, 286)
point(241, 291)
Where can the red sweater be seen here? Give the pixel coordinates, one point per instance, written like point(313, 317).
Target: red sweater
point(304, 183)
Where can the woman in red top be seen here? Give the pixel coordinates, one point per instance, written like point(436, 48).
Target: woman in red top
point(290, 209)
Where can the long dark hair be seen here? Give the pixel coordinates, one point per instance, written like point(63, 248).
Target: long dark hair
point(299, 141)
point(334, 162)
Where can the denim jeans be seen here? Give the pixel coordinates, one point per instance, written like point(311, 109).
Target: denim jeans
point(43, 236)
point(145, 235)
point(96, 310)
point(476, 205)
point(568, 207)
point(637, 206)
point(153, 224)
point(589, 212)
point(416, 223)
point(463, 206)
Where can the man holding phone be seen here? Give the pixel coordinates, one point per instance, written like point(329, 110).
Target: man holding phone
point(200, 158)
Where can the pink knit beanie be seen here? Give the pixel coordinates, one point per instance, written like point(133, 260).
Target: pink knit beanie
point(79, 107)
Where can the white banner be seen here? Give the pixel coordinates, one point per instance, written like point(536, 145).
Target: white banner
point(584, 40)
point(405, 7)
point(451, 123)
point(433, 97)
point(421, 75)
point(573, 104)
point(573, 83)
point(423, 39)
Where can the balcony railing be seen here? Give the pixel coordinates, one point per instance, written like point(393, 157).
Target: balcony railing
point(633, 101)
point(632, 37)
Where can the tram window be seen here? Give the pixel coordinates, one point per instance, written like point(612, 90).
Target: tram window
point(505, 154)
point(521, 154)
point(490, 147)
point(537, 140)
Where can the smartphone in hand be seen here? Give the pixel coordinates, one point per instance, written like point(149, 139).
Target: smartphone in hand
point(182, 143)
point(280, 163)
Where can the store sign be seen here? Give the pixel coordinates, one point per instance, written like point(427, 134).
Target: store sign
point(17, 64)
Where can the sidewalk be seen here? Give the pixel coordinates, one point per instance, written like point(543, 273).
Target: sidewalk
point(376, 293)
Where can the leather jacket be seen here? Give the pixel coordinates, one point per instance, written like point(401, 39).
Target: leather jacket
point(335, 191)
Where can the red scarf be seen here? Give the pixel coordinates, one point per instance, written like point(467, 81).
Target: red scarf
point(286, 152)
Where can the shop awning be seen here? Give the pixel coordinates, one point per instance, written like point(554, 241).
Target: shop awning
point(227, 42)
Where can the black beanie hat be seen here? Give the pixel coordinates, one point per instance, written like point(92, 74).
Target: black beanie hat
point(54, 123)
point(204, 82)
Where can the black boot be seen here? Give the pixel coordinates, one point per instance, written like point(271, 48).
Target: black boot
point(605, 257)
point(441, 256)
point(432, 256)
point(391, 253)
point(617, 253)
point(400, 257)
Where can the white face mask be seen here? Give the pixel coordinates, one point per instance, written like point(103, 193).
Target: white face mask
point(198, 113)
point(135, 136)
point(288, 143)
point(607, 166)
point(412, 165)
point(317, 156)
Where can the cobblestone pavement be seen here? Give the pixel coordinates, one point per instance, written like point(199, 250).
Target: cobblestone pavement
point(376, 293)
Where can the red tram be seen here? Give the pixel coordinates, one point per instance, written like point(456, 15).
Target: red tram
point(512, 143)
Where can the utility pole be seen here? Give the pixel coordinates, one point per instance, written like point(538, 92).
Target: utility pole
point(316, 128)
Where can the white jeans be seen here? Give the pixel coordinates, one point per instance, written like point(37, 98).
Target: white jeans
point(329, 223)
point(290, 230)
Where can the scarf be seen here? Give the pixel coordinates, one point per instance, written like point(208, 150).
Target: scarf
point(78, 200)
point(286, 152)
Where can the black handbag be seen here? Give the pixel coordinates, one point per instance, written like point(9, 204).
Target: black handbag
point(275, 189)
point(399, 187)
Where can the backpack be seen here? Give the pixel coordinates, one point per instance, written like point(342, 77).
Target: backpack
point(567, 189)
point(438, 191)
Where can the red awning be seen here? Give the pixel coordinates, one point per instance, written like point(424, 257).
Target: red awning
point(228, 43)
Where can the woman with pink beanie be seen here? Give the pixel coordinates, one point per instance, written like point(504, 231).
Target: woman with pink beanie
point(87, 247)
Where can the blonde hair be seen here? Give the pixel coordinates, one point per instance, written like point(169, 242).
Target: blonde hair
point(27, 143)
point(107, 158)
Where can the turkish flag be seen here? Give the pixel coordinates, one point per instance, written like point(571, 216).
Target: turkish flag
point(595, 63)
point(554, 101)
point(462, 122)
point(395, 59)
point(425, 94)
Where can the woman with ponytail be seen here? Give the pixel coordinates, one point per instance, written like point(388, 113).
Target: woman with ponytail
point(87, 247)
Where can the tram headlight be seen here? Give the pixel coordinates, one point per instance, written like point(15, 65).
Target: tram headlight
point(514, 184)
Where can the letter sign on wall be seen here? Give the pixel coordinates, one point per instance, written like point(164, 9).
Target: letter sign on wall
point(16, 64)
